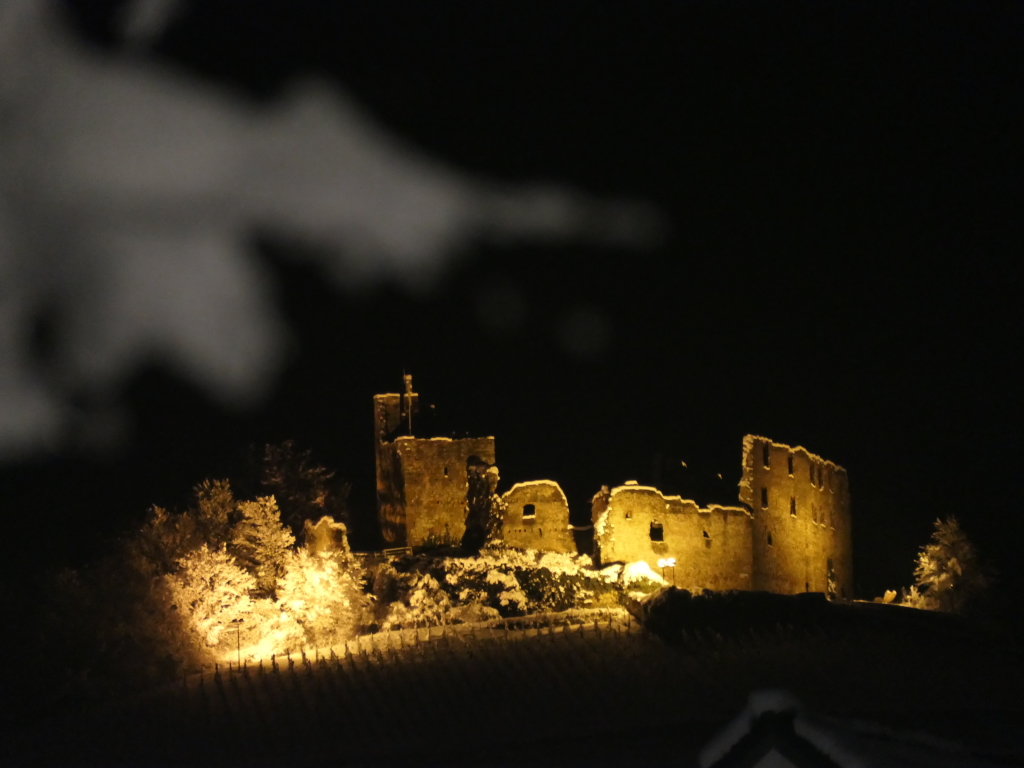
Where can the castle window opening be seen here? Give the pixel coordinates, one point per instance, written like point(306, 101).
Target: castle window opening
point(657, 532)
point(529, 510)
point(792, 506)
point(764, 498)
point(769, 539)
point(812, 474)
point(767, 456)
point(446, 471)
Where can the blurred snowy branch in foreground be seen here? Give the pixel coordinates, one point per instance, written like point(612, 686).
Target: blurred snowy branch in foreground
point(129, 193)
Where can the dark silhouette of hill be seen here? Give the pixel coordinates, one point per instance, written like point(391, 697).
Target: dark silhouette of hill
point(586, 687)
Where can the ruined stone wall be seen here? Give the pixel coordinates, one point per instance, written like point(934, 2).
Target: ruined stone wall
point(434, 483)
point(801, 518)
point(545, 526)
point(712, 547)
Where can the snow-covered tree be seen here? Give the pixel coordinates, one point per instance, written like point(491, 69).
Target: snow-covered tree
point(215, 505)
point(322, 595)
point(261, 542)
point(210, 592)
point(166, 537)
point(948, 571)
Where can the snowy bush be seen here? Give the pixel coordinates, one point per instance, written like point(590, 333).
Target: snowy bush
point(321, 592)
point(500, 581)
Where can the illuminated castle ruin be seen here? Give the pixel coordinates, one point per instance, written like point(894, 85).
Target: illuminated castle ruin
point(789, 533)
point(422, 484)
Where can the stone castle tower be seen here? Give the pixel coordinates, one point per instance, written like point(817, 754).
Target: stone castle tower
point(422, 483)
point(801, 527)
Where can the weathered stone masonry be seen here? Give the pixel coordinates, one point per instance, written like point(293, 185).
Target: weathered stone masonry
point(536, 516)
point(711, 547)
point(421, 483)
point(792, 532)
point(791, 535)
point(801, 518)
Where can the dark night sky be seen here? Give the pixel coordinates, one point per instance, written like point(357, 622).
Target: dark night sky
point(844, 185)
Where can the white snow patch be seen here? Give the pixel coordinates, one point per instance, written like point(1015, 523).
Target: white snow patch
point(634, 572)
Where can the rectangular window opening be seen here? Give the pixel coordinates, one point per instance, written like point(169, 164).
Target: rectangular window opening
point(657, 532)
point(764, 498)
point(790, 463)
point(792, 506)
point(446, 471)
point(529, 510)
point(767, 457)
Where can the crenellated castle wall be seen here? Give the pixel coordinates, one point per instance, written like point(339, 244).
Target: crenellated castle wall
point(800, 504)
point(711, 547)
point(792, 533)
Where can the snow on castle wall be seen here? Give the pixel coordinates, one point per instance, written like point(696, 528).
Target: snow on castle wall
point(536, 516)
point(801, 519)
point(711, 547)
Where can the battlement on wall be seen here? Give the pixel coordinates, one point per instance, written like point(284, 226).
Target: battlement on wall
point(796, 461)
